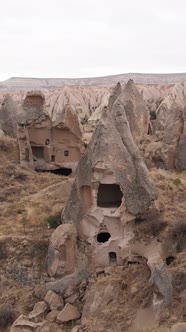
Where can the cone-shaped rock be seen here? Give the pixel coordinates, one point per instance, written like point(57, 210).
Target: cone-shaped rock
point(132, 102)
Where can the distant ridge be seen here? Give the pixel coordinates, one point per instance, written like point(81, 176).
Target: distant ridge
point(26, 83)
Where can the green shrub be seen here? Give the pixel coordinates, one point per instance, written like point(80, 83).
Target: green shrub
point(177, 182)
point(54, 221)
point(152, 115)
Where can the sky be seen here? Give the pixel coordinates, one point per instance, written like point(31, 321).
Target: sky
point(84, 38)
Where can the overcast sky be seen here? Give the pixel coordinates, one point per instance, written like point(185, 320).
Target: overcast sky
point(82, 38)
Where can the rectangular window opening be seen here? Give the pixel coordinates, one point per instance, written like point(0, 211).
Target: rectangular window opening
point(66, 153)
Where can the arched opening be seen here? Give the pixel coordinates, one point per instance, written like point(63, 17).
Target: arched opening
point(109, 195)
point(112, 258)
point(86, 198)
point(103, 237)
point(170, 259)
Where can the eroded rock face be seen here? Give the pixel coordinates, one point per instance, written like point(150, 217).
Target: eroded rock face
point(179, 327)
point(112, 186)
point(61, 255)
point(69, 312)
point(22, 324)
point(8, 115)
point(54, 301)
point(180, 157)
point(47, 145)
point(172, 133)
point(135, 109)
point(176, 95)
point(37, 314)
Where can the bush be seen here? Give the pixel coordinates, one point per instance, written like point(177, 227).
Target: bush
point(177, 182)
point(152, 115)
point(6, 316)
point(54, 221)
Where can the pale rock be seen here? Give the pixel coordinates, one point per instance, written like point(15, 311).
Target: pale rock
point(76, 328)
point(71, 299)
point(52, 315)
point(37, 314)
point(179, 327)
point(54, 300)
point(68, 313)
point(2, 134)
point(22, 324)
point(61, 257)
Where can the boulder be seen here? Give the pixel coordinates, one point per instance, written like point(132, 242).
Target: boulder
point(37, 314)
point(61, 257)
point(76, 328)
point(72, 298)
point(54, 300)
point(68, 313)
point(179, 327)
point(22, 324)
point(51, 317)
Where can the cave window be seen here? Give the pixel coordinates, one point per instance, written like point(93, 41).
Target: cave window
point(66, 153)
point(47, 142)
point(53, 158)
point(109, 195)
point(112, 258)
point(170, 259)
point(103, 237)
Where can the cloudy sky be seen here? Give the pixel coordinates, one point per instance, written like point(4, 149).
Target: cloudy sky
point(82, 38)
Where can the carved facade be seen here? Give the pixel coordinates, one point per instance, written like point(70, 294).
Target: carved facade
point(48, 145)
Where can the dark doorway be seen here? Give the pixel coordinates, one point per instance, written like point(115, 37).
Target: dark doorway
point(109, 195)
point(62, 171)
point(53, 158)
point(38, 152)
point(112, 258)
point(103, 237)
point(169, 260)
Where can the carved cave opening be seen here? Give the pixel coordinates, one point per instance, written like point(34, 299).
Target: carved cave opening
point(109, 195)
point(103, 237)
point(38, 152)
point(62, 171)
point(112, 258)
point(170, 259)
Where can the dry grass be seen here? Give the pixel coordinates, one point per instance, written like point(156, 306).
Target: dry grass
point(27, 197)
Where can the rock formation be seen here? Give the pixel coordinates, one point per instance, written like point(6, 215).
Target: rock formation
point(180, 156)
point(45, 145)
point(112, 187)
point(135, 109)
point(111, 191)
point(8, 115)
point(172, 133)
